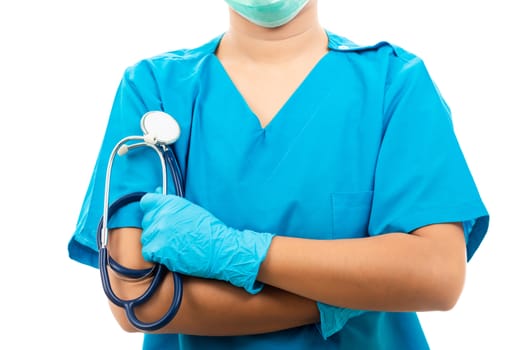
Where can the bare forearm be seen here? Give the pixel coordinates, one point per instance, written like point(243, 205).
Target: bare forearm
point(208, 307)
point(392, 272)
point(214, 308)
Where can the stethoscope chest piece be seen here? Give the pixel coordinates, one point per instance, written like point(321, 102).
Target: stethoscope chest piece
point(160, 128)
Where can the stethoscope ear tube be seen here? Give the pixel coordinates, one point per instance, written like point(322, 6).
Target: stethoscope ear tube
point(174, 169)
point(158, 273)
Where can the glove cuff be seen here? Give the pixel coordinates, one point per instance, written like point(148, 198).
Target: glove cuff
point(333, 318)
point(252, 250)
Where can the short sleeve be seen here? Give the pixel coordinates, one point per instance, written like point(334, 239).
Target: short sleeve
point(422, 176)
point(130, 173)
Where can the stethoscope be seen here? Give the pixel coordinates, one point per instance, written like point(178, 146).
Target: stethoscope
point(160, 130)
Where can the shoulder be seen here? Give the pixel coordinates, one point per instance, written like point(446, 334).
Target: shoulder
point(378, 56)
point(385, 49)
point(390, 65)
point(181, 63)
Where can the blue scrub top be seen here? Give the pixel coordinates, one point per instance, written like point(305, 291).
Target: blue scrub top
point(364, 146)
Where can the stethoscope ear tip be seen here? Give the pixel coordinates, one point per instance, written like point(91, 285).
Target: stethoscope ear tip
point(123, 150)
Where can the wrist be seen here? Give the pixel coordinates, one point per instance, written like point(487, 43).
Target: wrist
point(256, 246)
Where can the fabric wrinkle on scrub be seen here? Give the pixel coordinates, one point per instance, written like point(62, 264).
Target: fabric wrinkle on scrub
point(364, 146)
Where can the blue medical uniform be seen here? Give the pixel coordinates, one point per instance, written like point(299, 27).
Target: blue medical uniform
point(365, 146)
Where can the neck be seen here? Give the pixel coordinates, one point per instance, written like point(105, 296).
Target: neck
point(248, 41)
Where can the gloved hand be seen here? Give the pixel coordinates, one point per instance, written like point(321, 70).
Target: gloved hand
point(189, 240)
point(333, 318)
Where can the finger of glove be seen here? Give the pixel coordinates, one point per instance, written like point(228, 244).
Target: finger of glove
point(177, 247)
point(149, 201)
point(163, 215)
point(160, 202)
point(155, 208)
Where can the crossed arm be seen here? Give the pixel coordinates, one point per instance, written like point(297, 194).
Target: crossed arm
point(421, 271)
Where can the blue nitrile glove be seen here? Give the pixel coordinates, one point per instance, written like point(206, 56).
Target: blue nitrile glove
point(333, 318)
point(189, 240)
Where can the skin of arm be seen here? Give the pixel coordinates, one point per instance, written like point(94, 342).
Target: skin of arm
point(209, 307)
point(421, 271)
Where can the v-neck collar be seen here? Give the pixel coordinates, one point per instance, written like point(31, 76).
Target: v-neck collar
point(298, 109)
point(335, 43)
point(285, 108)
point(224, 130)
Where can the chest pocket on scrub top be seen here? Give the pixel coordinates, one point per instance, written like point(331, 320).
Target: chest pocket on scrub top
point(351, 213)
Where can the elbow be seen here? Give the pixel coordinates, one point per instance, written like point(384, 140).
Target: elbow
point(446, 301)
point(447, 286)
point(126, 327)
point(156, 307)
point(121, 319)
point(450, 296)
point(442, 265)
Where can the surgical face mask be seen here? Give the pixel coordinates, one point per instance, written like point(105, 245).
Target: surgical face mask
point(268, 13)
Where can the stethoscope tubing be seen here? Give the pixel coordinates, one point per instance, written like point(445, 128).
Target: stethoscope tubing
point(158, 272)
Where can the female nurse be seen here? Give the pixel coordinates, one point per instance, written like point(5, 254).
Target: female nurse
point(327, 198)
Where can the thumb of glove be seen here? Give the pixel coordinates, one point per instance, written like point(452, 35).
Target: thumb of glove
point(151, 200)
point(167, 204)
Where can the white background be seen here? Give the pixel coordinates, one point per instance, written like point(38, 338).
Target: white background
point(60, 64)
